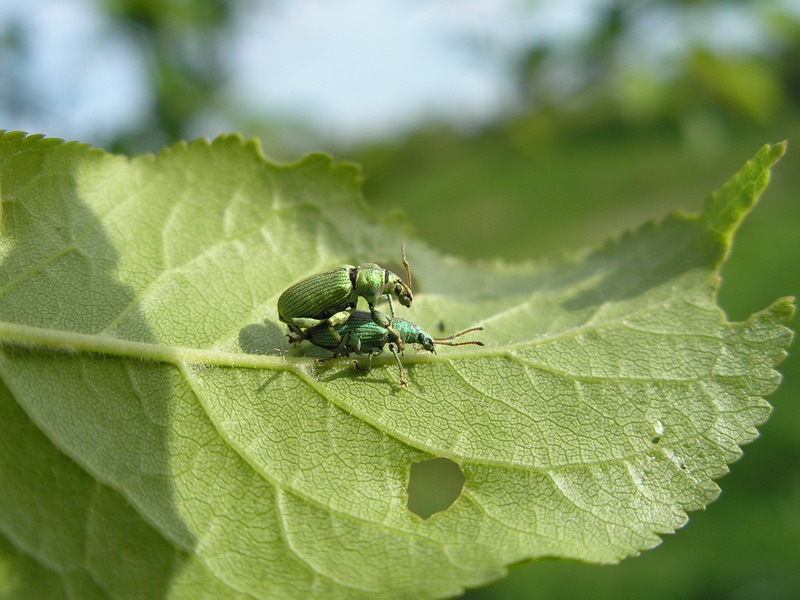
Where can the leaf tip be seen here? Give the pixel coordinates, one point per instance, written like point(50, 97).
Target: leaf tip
point(777, 150)
point(725, 209)
point(783, 309)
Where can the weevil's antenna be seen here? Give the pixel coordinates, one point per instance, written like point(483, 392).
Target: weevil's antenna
point(459, 343)
point(406, 265)
point(459, 334)
point(443, 341)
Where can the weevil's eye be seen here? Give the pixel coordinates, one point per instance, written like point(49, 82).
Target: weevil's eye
point(398, 290)
point(421, 338)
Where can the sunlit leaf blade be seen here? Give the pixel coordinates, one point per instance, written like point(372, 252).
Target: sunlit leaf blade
point(158, 438)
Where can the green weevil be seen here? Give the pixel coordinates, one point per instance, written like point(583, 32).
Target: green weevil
point(329, 298)
point(361, 335)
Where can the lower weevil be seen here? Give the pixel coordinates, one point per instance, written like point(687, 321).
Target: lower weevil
point(361, 335)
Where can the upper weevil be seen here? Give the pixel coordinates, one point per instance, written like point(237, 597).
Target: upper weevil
point(330, 297)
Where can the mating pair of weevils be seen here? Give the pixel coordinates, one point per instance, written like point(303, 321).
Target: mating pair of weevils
point(321, 309)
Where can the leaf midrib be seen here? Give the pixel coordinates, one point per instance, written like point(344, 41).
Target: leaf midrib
point(16, 333)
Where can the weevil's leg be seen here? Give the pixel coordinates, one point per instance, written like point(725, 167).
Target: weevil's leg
point(350, 343)
point(337, 319)
point(379, 318)
point(295, 340)
point(395, 335)
point(394, 338)
point(372, 353)
point(299, 333)
point(340, 351)
point(393, 350)
point(300, 324)
point(391, 306)
point(345, 348)
point(357, 350)
point(384, 321)
point(336, 354)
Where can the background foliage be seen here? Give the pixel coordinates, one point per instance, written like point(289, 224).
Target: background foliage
point(627, 141)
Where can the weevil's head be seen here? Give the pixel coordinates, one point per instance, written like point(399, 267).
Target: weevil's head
point(425, 340)
point(397, 287)
point(414, 334)
point(373, 281)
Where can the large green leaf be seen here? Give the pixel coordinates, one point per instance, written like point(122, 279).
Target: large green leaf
point(159, 439)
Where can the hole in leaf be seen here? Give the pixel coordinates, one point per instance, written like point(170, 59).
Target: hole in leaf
point(433, 486)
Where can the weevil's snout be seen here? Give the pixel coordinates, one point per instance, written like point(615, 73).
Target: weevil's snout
point(403, 293)
point(426, 342)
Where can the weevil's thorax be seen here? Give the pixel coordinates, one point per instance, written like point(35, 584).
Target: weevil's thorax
point(373, 281)
point(370, 282)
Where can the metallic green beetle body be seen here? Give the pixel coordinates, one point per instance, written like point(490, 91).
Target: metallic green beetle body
point(316, 299)
point(361, 335)
point(330, 297)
